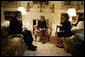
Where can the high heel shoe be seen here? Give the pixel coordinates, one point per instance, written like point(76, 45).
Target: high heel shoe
point(61, 46)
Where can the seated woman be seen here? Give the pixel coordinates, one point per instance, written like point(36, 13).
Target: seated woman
point(66, 30)
point(38, 32)
point(42, 27)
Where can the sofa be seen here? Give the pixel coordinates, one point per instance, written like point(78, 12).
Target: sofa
point(11, 45)
point(75, 43)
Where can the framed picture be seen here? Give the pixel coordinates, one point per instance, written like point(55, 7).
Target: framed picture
point(41, 2)
point(10, 3)
point(35, 2)
point(67, 4)
point(8, 15)
point(80, 4)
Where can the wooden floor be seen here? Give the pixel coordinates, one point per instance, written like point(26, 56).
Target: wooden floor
point(47, 49)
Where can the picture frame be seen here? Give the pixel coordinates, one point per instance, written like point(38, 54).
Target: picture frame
point(35, 2)
point(41, 2)
point(80, 4)
point(10, 4)
point(8, 15)
point(67, 4)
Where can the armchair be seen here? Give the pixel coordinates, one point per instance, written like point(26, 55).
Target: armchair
point(38, 33)
point(11, 45)
point(75, 43)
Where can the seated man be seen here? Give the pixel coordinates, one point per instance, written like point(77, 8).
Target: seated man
point(16, 28)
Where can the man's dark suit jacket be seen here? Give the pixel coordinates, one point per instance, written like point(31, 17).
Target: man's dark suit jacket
point(15, 26)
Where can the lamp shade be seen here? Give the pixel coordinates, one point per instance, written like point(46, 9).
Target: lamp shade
point(22, 10)
point(71, 12)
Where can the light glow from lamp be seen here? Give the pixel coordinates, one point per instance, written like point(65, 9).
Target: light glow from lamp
point(22, 10)
point(71, 12)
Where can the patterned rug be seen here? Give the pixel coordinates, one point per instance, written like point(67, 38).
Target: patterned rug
point(47, 49)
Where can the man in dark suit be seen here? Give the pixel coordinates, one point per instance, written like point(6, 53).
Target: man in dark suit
point(16, 28)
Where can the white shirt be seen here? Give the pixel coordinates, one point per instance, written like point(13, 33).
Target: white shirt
point(18, 18)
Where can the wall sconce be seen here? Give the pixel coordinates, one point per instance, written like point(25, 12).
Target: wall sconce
point(41, 5)
point(28, 7)
point(52, 8)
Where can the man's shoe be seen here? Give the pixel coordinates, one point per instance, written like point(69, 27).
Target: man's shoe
point(34, 46)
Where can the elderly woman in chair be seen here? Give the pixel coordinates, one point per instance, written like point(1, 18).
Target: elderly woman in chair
point(66, 30)
point(42, 30)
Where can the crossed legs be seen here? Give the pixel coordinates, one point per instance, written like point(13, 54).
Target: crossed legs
point(59, 41)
